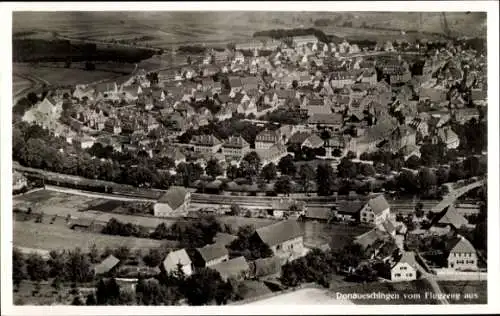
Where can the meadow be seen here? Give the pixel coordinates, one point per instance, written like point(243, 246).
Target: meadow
point(62, 76)
point(57, 237)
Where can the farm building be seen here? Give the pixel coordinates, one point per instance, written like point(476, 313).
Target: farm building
point(449, 218)
point(210, 255)
point(370, 237)
point(175, 202)
point(285, 238)
point(321, 214)
point(236, 268)
point(107, 265)
point(224, 239)
point(264, 267)
point(173, 259)
point(348, 210)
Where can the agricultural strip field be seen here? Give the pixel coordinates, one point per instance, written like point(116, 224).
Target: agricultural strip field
point(63, 76)
point(48, 237)
point(64, 204)
point(19, 84)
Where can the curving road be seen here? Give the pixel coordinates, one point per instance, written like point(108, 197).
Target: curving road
point(451, 197)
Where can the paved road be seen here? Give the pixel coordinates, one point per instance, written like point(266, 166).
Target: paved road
point(451, 197)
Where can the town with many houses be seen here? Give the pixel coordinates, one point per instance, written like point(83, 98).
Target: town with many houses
point(336, 104)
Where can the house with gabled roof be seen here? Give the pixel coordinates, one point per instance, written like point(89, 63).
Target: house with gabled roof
point(405, 269)
point(376, 211)
point(107, 266)
point(177, 258)
point(461, 254)
point(305, 139)
point(285, 238)
point(174, 202)
point(210, 255)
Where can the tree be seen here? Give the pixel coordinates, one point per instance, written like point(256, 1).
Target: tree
point(36, 267)
point(91, 300)
point(325, 179)
point(201, 287)
point(254, 164)
point(122, 253)
point(232, 172)
point(213, 168)
point(347, 168)
point(153, 258)
point(283, 185)
point(287, 166)
point(367, 170)
point(108, 292)
point(94, 254)
point(77, 301)
point(269, 172)
point(306, 175)
point(32, 98)
point(408, 181)
point(295, 84)
point(57, 265)
point(78, 266)
point(235, 210)
point(18, 267)
point(419, 210)
point(427, 180)
point(325, 134)
point(149, 292)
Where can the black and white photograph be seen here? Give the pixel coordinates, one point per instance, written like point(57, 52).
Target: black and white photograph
point(234, 157)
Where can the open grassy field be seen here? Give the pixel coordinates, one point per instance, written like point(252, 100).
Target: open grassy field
point(46, 236)
point(62, 76)
point(165, 29)
point(19, 84)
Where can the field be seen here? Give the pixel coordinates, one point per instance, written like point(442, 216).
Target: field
point(19, 84)
point(48, 237)
point(166, 29)
point(62, 76)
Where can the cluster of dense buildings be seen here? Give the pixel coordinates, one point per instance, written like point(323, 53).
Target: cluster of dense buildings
point(366, 103)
